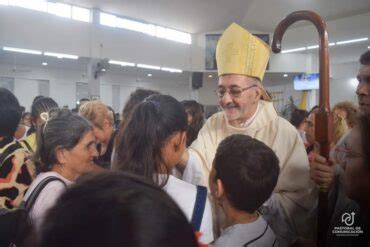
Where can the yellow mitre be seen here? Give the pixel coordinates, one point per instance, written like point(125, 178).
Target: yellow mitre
point(240, 52)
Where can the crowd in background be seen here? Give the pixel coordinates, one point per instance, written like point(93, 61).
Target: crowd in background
point(87, 178)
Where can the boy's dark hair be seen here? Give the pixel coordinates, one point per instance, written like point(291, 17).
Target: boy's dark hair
point(116, 209)
point(365, 58)
point(10, 113)
point(248, 169)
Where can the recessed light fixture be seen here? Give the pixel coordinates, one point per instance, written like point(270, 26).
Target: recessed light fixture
point(150, 75)
point(103, 70)
point(210, 76)
point(368, 47)
point(45, 63)
point(285, 75)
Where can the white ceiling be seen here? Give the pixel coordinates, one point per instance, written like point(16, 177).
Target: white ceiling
point(196, 16)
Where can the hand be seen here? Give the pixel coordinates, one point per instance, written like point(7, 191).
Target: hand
point(322, 171)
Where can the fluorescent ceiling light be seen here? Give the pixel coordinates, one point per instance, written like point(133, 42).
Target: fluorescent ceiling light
point(351, 41)
point(150, 75)
point(368, 47)
point(317, 46)
point(60, 55)
point(171, 70)
point(285, 75)
point(210, 76)
point(121, 63)
point(146, 66)
point(4, 2)
point(44, 63)
point(293, 50)
point(35, 52)
point(312, 47)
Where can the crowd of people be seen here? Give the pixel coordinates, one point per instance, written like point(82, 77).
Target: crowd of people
point(166, 176)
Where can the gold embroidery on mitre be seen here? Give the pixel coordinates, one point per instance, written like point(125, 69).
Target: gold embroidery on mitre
point(240, 52)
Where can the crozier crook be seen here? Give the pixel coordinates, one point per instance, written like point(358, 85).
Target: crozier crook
point(323, 131)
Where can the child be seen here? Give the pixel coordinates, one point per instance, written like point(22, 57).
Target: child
point(244, 174)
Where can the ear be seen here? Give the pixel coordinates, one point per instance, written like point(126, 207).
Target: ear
point(183, 137)
point(106, 123)
point(178, 140)
point(258, 93)
point(219, 193)
point(61, 155)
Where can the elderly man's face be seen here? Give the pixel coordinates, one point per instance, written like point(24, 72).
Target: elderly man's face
point(239, 97)
point(363, 88)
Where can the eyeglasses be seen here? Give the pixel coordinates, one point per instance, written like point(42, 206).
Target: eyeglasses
point(234, 92)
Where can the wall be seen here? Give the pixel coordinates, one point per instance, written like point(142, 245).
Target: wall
point(63, 85)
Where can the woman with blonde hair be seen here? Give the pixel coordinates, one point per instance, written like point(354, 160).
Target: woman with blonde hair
point(348, 111)
point(103, 121)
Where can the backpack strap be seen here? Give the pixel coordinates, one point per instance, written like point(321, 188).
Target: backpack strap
point(27, 145)
point(9, 150)
point(27, 205)
point(199, 206)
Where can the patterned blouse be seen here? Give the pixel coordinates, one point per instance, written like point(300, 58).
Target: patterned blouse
point(17, 172)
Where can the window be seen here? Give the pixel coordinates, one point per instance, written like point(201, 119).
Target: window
point(135, 26)
point(107, 20)
point(170, 34)
point(81, 14)
point(150, 29)
point(60, 9)
point(30, 4)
